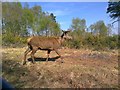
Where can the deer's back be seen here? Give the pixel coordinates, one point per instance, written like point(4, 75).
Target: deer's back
point(44, 42)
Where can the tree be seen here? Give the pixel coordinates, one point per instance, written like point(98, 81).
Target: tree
point(36, 25)
point(109, 28)
point(92, 27)
point(20, 21)
point(48, 24)
point(53, 18)
point(78, 24)
point(114, 9)
point(12, 17)
point(54, 27)
point(27, 19)
point(99, 28)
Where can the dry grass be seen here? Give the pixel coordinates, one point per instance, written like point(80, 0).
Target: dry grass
point(81, 69)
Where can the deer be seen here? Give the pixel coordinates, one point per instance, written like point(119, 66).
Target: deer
point(45, 43)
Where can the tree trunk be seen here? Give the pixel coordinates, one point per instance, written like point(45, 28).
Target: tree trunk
point(119, 25)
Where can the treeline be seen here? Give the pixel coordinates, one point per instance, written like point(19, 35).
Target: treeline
point(98, 36)
point(20, 22)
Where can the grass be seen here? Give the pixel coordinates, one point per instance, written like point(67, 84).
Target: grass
point(81, 69)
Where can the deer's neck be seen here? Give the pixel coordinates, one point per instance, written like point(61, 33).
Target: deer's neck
point(61, 40)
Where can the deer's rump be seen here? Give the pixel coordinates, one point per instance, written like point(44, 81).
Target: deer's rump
point(44, 43)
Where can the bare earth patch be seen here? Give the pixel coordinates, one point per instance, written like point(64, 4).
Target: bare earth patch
point(81, 69)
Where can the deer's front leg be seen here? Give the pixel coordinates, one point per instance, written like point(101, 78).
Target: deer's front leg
point(48, 53)
point(59, 56)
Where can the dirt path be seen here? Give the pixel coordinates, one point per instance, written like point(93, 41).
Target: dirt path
point(81, 69)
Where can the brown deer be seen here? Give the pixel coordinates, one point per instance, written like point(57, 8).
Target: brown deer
point(45, 43)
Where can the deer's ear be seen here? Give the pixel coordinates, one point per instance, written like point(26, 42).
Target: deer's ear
point(68, 31)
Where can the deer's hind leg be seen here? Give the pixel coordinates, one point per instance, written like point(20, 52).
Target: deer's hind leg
point(25, 54)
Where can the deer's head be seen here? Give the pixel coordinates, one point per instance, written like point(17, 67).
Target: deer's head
point(65, 35)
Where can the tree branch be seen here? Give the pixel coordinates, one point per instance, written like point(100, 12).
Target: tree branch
point(115, 21)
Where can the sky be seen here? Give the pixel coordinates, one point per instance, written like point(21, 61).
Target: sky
point(66, 11)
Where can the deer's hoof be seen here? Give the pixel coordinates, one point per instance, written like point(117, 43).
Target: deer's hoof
point(62, 61)
point(33, 62)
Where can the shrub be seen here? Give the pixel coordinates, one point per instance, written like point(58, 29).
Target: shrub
point(73, 44)
point(10, 39)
